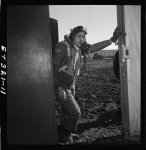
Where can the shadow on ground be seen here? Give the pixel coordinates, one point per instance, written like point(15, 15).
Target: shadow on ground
point(108, 118)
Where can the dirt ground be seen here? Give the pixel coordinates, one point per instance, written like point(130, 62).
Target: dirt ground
point(98, 95)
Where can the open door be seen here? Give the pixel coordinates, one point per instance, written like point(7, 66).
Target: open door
point(30, 96)
point(128, 17)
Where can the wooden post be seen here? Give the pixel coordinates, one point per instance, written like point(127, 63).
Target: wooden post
point(123, 74)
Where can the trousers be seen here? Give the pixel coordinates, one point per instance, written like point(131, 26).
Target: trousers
point(70, 111)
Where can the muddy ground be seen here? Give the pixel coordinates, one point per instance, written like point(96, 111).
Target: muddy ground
point(98, 95)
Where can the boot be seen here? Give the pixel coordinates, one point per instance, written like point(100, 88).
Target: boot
point(64, 136)
point(75, 136)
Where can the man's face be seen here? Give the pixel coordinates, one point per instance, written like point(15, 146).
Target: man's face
point(79, 39)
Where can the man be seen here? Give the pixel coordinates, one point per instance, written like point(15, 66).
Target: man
point(67, 62)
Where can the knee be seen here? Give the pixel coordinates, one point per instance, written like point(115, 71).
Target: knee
point(77, 113)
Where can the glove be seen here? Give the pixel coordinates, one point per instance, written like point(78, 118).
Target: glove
point(116, 35)
point(85, 48)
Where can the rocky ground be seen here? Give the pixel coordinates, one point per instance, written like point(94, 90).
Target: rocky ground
point(98, 95)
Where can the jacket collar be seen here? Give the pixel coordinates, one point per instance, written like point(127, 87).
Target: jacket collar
point(66, 38)
point(77, 48)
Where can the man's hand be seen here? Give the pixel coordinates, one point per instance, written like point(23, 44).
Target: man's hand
point(116, 34)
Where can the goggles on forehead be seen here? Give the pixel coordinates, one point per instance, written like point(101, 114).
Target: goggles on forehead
point(78, 29)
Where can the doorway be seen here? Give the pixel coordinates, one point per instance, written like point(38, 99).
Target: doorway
point(98, 92)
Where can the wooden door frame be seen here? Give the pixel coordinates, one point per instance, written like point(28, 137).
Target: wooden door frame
point(123, 74)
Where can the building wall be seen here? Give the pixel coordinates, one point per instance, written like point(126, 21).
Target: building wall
point(132, 16)
point(105, 53)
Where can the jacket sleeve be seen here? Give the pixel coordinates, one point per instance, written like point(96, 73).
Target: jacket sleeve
point(99, 46)
point(58, 59)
